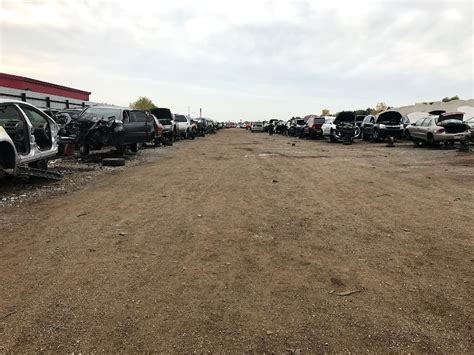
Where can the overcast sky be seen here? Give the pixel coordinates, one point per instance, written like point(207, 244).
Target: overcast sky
point(245, 59)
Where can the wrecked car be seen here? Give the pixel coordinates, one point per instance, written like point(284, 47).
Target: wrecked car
point(313, 127)
point(446, 127)
point(183, 126)
point(109, 126)
point(28, 137)
point(344, 128)
point(166, 118)
point(385, 124)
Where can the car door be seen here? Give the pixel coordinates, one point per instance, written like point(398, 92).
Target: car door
point(415, 128)
point(425, 127)
point(16, 127)
point(138, 126)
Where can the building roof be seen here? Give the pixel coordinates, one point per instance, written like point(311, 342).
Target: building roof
point(29, 84)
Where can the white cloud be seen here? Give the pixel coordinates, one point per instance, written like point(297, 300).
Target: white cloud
point(303, 54)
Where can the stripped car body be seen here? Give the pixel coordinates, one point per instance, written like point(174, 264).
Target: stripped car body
point(28, 136)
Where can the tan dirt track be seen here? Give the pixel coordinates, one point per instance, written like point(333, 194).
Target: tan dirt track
point(201, 250)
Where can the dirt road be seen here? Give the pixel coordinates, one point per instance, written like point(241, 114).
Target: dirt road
point(244, 242)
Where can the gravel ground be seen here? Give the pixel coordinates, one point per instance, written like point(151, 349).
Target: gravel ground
point(242, 242)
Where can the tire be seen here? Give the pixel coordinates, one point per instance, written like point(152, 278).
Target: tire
point(120, 150)
point(332, 138)
point(375, 135)
point(430, 139)
point(134, 148)
point(84, 150)
point(113, 162)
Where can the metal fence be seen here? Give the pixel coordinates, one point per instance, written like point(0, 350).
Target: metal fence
point(45, 102)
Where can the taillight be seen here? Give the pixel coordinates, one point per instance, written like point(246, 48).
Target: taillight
point(316, 126)
point(441, 130)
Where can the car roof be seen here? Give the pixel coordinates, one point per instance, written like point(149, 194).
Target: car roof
point(8, 101)
point(110, 107)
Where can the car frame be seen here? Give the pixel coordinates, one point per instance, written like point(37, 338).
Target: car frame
point(41, 128)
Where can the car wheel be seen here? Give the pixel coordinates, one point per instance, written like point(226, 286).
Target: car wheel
point(375, 135)
point(430, 139)
point(84, 150)
point(120, 149)
point(134, 148)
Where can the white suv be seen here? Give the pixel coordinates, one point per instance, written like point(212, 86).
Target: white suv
point(256, 127)
point(183, 125)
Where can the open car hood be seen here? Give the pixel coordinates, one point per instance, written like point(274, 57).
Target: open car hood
point(389, 117)
point(345, 117)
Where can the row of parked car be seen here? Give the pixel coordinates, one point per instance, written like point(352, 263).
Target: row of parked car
point(421, 127)
point(30, 136)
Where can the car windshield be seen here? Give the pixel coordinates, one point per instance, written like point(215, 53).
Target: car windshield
point(103, 112)
point(180, 118)
point(300, 122)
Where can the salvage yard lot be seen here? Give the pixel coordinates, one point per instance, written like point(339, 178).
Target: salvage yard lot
point(245, 242)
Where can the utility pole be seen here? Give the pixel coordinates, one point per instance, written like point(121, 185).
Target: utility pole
point(200, 113)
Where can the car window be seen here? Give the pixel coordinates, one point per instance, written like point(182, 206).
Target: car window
point(137, 116)
point(9, 113)
point(101, 112)
point(180, 118)
point(34, 116)
point(420, 121)
point(427, 122)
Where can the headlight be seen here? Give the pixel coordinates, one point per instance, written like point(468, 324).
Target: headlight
point(381, 126)
point(401, 126)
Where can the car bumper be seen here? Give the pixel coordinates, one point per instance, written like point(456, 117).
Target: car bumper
point(451, 136)
point(387, 132)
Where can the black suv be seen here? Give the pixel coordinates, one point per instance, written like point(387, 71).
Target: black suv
point(384, 125)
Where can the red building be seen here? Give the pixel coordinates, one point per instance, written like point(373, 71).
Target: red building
point(51, 95)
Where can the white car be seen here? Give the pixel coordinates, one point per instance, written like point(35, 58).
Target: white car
point(446, 127)
point(256, 127)
point(28, 136)
point(183, 125)
point(327, 125)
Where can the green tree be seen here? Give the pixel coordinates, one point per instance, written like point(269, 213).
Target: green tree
point(325, 112)
point(380, 107)
point(362, 112)
point(447, 99)
point(143, 103)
